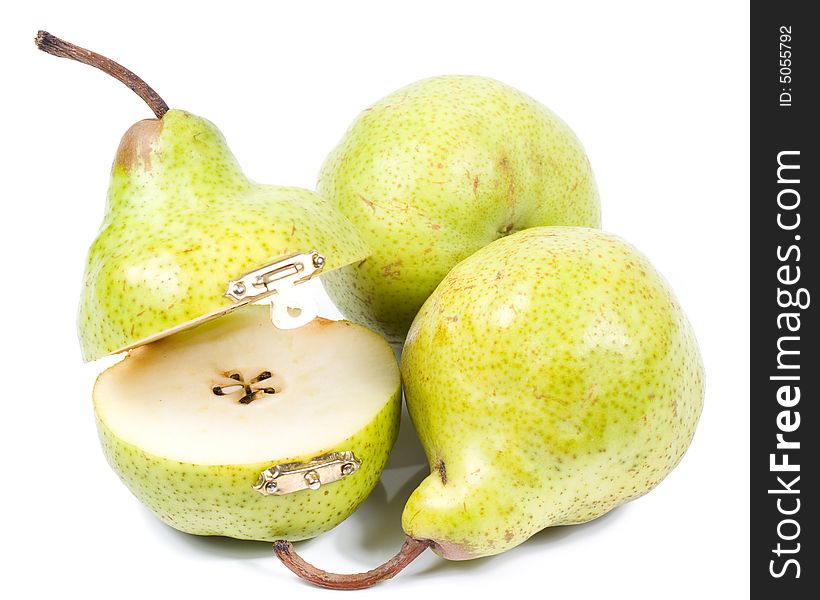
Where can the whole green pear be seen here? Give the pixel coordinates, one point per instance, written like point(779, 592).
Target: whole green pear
point(437, 170)
point(551, 377)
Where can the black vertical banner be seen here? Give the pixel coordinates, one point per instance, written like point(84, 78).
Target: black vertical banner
point(785, 268)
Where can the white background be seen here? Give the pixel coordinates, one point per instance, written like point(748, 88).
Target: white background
point(657, 93)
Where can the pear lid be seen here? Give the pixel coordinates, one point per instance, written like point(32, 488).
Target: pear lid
point(187, 237)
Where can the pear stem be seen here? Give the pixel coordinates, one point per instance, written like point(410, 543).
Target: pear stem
point(57, 47)
point(408, 553)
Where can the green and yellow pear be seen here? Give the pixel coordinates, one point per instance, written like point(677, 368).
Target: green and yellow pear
point(192, 422)
point(437, 170)
point(551, 377)
point(226, 426)
point(182, 221)
point(574, 384)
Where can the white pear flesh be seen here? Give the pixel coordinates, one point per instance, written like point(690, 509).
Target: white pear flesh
point(193, 456)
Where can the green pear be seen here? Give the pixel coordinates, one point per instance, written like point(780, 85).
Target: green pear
point(437, 170)
point(189, 431)
point(233, 427)
point(182, 221)
point(574, 385)
point(551, 377)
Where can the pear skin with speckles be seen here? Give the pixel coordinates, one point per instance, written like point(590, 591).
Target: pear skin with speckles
point(437, 170)
point(181, 221)
point(551, 377)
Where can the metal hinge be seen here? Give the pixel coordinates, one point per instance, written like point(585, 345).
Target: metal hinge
point(279, 480)
point(289, 308)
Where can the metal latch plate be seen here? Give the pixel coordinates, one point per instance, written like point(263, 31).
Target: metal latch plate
point(279, 480)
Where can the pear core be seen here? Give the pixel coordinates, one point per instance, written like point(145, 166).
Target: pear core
point(331, 378)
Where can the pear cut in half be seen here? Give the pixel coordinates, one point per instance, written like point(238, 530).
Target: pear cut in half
point(181, 222)
point(186, 237)
point(240, 429)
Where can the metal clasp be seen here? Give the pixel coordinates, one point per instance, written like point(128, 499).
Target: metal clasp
point(289, 309)
point(276, 277)
point(279, 480)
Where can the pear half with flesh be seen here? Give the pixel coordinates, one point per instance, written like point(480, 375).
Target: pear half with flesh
point(190, 422)
point(182, 221)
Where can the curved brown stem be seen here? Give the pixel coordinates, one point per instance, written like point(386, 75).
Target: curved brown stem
point(57, 47)
point(333, 581)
